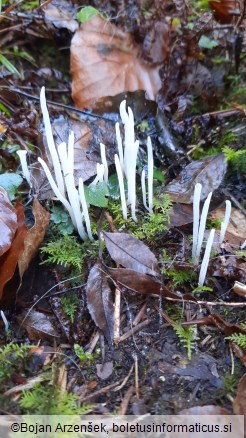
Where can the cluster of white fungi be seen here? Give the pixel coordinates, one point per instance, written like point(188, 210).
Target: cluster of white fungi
point(73, 199)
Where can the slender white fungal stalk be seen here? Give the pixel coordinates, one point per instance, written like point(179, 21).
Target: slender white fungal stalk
point(56, 190)
point(104, 161)
point(25, 170)
point(129, 142)
point(131, 179)
point(225, 222)
point(119, 143)
point(204, 265)
point(72, 192)
point(5, 321)
point(85, 208)
point(196, 217)
point(150, 174)
point(243, 245)
point(100, 174)
point(143, 185)
point(51, 143)
point(123, 113)
point(121, 185)
point(202, 226)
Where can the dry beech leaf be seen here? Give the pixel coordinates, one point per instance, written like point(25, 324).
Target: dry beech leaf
point(38, 325)
point(104, 61)
point(9, 259)
point(209, 172)
point(8, 222)
point(236, 230)
point(99, 301)
point(182, 214)
point(126, 250)
point(35, 236)
point(143, 284)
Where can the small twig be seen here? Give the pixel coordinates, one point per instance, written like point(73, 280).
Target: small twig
point(136, 376)
point(140, 314)
point(125, 401)
point(9, 9)
point(232, 361)
point(60, 105)
point(134, 330)
point(100, 391)
point(93, 342)
point(42, 5)
point(117, 315)
point(125, 380)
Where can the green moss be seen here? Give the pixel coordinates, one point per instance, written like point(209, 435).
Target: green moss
point(187, 336)
point(50, 400)
point(65, 251)
point(180, 277)
point(12, 358)
point(69, 305)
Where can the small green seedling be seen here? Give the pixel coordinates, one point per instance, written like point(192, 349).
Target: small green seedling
point(81, 354)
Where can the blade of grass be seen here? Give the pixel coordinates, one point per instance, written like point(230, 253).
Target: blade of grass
point(9, 66)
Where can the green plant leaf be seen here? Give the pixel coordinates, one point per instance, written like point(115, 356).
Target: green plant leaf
point(10, 182)
point(85, 14)
point(158, 175)
point(97, 194)
point(113, 186)
point(4, 110)
point(207, 43)
point(9, 66)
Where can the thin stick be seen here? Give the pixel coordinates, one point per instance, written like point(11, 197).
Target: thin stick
point(136, 376)
point(117, 315)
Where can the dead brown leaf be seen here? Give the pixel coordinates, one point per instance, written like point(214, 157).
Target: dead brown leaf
point(38, 325)
point(9, 259)
point(35, 236)
point(99, 301)
point(236, 230)
point(8, 222)
point(144, 284)
point(105, 61)
point(209, 172)
point(126, 250)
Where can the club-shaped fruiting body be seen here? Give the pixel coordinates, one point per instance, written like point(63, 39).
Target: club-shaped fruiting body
point(199, 223)
point(225, 222)
point(51, 143)
point(85, 208)
point(63, 184)
point(121, 185)
point(205, 261)
point(104, 162)
point(64, 187)
point(24, 166)
point(5, 321)
point(128, 161)
point(150, 174)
